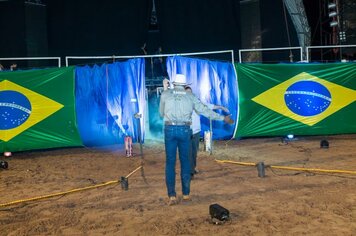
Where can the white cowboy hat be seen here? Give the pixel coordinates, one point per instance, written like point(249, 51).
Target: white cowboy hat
point(180, 80)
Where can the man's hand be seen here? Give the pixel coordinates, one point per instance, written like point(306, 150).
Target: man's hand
point(228, 120)
point(165, 84)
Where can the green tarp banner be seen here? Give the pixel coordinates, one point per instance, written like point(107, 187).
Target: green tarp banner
point(299, 99)
point(37, 110)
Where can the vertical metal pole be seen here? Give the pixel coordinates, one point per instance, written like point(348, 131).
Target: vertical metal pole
point(232, 57)
point(107, 96)
point(211, 137)
point(321, 28)
point(138, 117)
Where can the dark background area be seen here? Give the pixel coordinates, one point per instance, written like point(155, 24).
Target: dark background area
point(278, 30)
point(200, 25)
point(96, 27)
point(313, 11)
point(121, 27)
point(12, 29)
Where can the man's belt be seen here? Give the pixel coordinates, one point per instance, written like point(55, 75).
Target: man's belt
point(177, 123)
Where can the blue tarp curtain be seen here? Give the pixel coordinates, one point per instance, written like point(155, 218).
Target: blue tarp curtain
point(213, 82)
point(107, 97)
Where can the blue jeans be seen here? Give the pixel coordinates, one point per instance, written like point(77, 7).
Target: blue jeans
point(176, 136)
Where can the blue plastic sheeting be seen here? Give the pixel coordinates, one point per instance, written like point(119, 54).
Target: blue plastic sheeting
point(107, 97)
point(213, 82)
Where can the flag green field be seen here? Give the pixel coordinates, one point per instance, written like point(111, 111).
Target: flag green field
point(299, 99)
point(37, 110)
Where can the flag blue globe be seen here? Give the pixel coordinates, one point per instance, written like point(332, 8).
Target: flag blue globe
point(307, 98)
point(15, 109)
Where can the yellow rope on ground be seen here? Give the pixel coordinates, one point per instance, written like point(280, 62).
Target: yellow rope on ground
point(315, 170)
point(67, 192)
point(236, 162)
point(291, 168)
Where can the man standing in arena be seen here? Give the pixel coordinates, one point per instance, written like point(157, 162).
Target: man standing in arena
point(176, 108)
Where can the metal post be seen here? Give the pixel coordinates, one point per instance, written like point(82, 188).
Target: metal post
point(138, 116)
point(211, 137)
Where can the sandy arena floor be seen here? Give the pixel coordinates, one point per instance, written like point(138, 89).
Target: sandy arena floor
point(282, 203)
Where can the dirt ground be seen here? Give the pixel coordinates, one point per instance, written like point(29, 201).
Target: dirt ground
point(282, 203)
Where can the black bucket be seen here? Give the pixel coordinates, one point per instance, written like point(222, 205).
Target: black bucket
point(4, 165)
point(124, 183)
point(218, 212)
point(324, 144)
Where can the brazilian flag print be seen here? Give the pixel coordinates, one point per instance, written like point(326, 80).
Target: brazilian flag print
point(37, 109)
point(299, 99)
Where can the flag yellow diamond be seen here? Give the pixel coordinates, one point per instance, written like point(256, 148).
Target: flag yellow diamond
point(306, 98)
point(17, 117)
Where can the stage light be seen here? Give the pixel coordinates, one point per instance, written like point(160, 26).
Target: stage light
point(342, 36)
point(324, 144)
point(7, 154)
point(332, 14)
point(287, 138)
point(218, 212)
point(3, 165)
point(332, 5)
point(333, 23)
